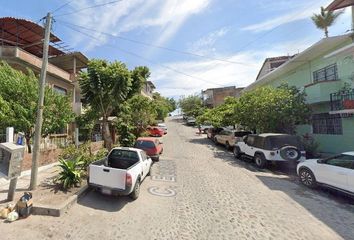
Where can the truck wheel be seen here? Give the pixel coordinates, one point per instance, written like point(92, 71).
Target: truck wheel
point(260, 161)
point(135, 194)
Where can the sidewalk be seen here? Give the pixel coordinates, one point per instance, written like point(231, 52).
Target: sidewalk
point(45, 173)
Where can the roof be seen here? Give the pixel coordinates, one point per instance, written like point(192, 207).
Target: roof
point(272, 134)
point(26, 35)
point(338, 4)
point(65, 62)
point(220, 88)
point(349, 153)
point(343, 50)
point(284, 58)
point(314, 51)
point(151, 84)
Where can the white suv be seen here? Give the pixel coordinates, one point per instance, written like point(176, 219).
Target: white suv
point(335, 172)
point(270, 147)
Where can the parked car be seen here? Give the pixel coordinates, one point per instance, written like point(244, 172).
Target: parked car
point(229, 137)
point(152, 146)
point(212, 132)
point(204, 127)
point(336, 172)
point(121, 172)
point(271, 147)
point(191, 121)
point(163, 126)
point(155, 131)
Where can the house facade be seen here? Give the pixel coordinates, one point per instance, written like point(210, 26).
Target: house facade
point(214, 97)
point(148, 89)
point(325, 72)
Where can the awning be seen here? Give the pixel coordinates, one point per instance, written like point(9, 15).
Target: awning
point(338, 4)
point(26, 35)
point(66, 61)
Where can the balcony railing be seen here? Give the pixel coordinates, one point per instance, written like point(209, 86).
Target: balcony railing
point(342, 101)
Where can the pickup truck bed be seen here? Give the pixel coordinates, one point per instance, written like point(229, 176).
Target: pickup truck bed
point(120, 172)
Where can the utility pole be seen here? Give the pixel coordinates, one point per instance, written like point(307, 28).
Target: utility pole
point(39, 120)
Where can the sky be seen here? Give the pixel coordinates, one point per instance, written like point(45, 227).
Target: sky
point(189, 45)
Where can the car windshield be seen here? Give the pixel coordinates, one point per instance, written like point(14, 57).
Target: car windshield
point(144, 144)
point(277, 142)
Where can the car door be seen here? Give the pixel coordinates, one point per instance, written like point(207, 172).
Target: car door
point(219, 136)
point(336, 171)
point(249, 149)
point(158, 146)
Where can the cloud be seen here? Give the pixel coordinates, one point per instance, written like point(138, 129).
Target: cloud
point(212, 73)
point(126, 16)
point(305, 12)
point(205, 45)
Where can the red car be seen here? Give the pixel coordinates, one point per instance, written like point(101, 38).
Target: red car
point(152, 146)
point(155, 131)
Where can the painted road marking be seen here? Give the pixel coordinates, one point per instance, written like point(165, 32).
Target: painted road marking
point(166, 192)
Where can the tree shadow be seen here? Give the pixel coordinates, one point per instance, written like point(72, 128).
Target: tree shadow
point(319, 203)
point(99, 201)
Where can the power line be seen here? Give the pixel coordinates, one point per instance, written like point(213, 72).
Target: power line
point(86, 8)
point(62, 6)
point(155, 46)
point(145, 59)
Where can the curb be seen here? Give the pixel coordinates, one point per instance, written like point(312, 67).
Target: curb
point(44, 210)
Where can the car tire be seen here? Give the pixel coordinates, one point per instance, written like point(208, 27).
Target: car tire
point(307, 178)
point(260, 161)
point(135, 194)
point(237, 153)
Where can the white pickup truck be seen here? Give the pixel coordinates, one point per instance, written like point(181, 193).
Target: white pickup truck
point(121, 172)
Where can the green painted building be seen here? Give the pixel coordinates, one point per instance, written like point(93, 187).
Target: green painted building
point(325, 71)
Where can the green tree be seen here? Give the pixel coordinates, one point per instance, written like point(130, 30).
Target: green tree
point(105, 86)
point(325, 19)
point(142, 113)
point(269, 109)
point(192, 106)
point(139, 77)
point(162, 105)
point(222, 115)
point(18, 104)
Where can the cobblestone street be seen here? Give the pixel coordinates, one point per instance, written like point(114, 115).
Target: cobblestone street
point(199, 191)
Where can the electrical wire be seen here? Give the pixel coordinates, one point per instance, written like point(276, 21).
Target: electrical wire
point(143, 58)
point(155, 46)
point(86, 8)
point(62, 6)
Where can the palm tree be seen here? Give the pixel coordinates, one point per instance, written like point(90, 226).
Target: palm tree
point(325, 19)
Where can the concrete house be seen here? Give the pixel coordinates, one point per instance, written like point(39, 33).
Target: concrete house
point(214, 97)
point(271, 64)
point(325, 71)
point(148, 89)
point(21, 46)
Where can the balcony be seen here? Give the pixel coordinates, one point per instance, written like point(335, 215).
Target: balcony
point(320, 91)
point(342, 102)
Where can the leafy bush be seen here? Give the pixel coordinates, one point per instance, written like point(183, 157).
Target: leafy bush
point(70, 174)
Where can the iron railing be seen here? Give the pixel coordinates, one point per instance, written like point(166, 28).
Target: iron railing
point(342, 100)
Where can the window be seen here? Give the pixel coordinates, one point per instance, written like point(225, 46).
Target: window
point(325, 123)
point(258, 142)
point(345, 161)
point(328, 73)
point(250, 140)
point(144, 144)
point(144, 156)
point(60, 90)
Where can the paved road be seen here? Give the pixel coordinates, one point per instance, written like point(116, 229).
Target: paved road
point(199, 191)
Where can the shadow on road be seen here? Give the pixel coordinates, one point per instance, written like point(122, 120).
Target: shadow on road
point(319, 203)
point(97, 200)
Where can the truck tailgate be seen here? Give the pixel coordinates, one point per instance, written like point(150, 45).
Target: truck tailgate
point(107, 177)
